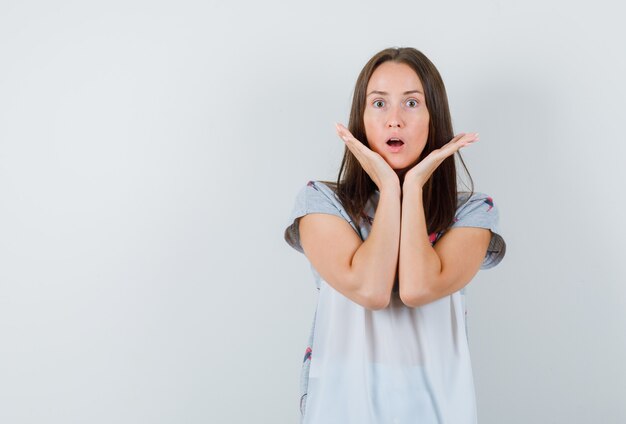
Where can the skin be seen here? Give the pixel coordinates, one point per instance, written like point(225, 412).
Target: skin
point(405, 116)
point(396, 108)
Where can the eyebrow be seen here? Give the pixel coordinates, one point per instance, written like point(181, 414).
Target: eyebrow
point(384, 93)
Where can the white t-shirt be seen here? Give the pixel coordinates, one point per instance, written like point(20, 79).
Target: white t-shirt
point(394, 365)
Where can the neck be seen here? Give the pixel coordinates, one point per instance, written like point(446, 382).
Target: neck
point(401, 173)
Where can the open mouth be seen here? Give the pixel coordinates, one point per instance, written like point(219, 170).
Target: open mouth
point(395, 142)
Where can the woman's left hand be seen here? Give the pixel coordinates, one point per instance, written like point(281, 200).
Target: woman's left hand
point(420, 173)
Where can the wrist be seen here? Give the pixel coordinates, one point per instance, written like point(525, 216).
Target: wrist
point(413, 180)
point(412, 187)
point(391, 187)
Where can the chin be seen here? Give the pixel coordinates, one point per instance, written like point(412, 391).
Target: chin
point(400, 166)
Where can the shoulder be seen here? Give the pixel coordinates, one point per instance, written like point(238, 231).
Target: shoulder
point(475, 203)
point(315, 193)
point(320, 186)
point(465, 198)
point(479, 210)
point(313, 197)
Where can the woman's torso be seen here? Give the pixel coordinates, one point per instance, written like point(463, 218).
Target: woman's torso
point(395, 365)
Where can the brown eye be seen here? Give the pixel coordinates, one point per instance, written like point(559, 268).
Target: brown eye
point(378, 103)
point(411, 103)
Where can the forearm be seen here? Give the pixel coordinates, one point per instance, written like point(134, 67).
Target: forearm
point(375, 263)
point(420, 266)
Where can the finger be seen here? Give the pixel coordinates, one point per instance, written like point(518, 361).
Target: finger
point(452, 142)
point(457, 137)
point(460, 140)
point(343, 132)
point(346, 136)
point(363, 154)
point(356, 147)
point(457, 143)
point(468, 138)
point(352, 143)
point(340, 128)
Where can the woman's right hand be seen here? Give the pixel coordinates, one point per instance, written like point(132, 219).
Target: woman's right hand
point(374, 164)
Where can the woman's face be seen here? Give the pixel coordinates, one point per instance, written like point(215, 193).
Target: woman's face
point(396, 118)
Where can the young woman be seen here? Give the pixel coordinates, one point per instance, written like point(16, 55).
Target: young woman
point(392, 244)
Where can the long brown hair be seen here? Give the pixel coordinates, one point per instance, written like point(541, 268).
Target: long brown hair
point(354, 186)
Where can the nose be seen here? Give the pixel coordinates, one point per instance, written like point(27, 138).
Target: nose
point(394, 120)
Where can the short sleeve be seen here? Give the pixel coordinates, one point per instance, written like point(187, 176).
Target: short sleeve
point(314, 197)
point(481, 211)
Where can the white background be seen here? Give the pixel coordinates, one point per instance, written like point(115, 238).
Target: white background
point(150, 154)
